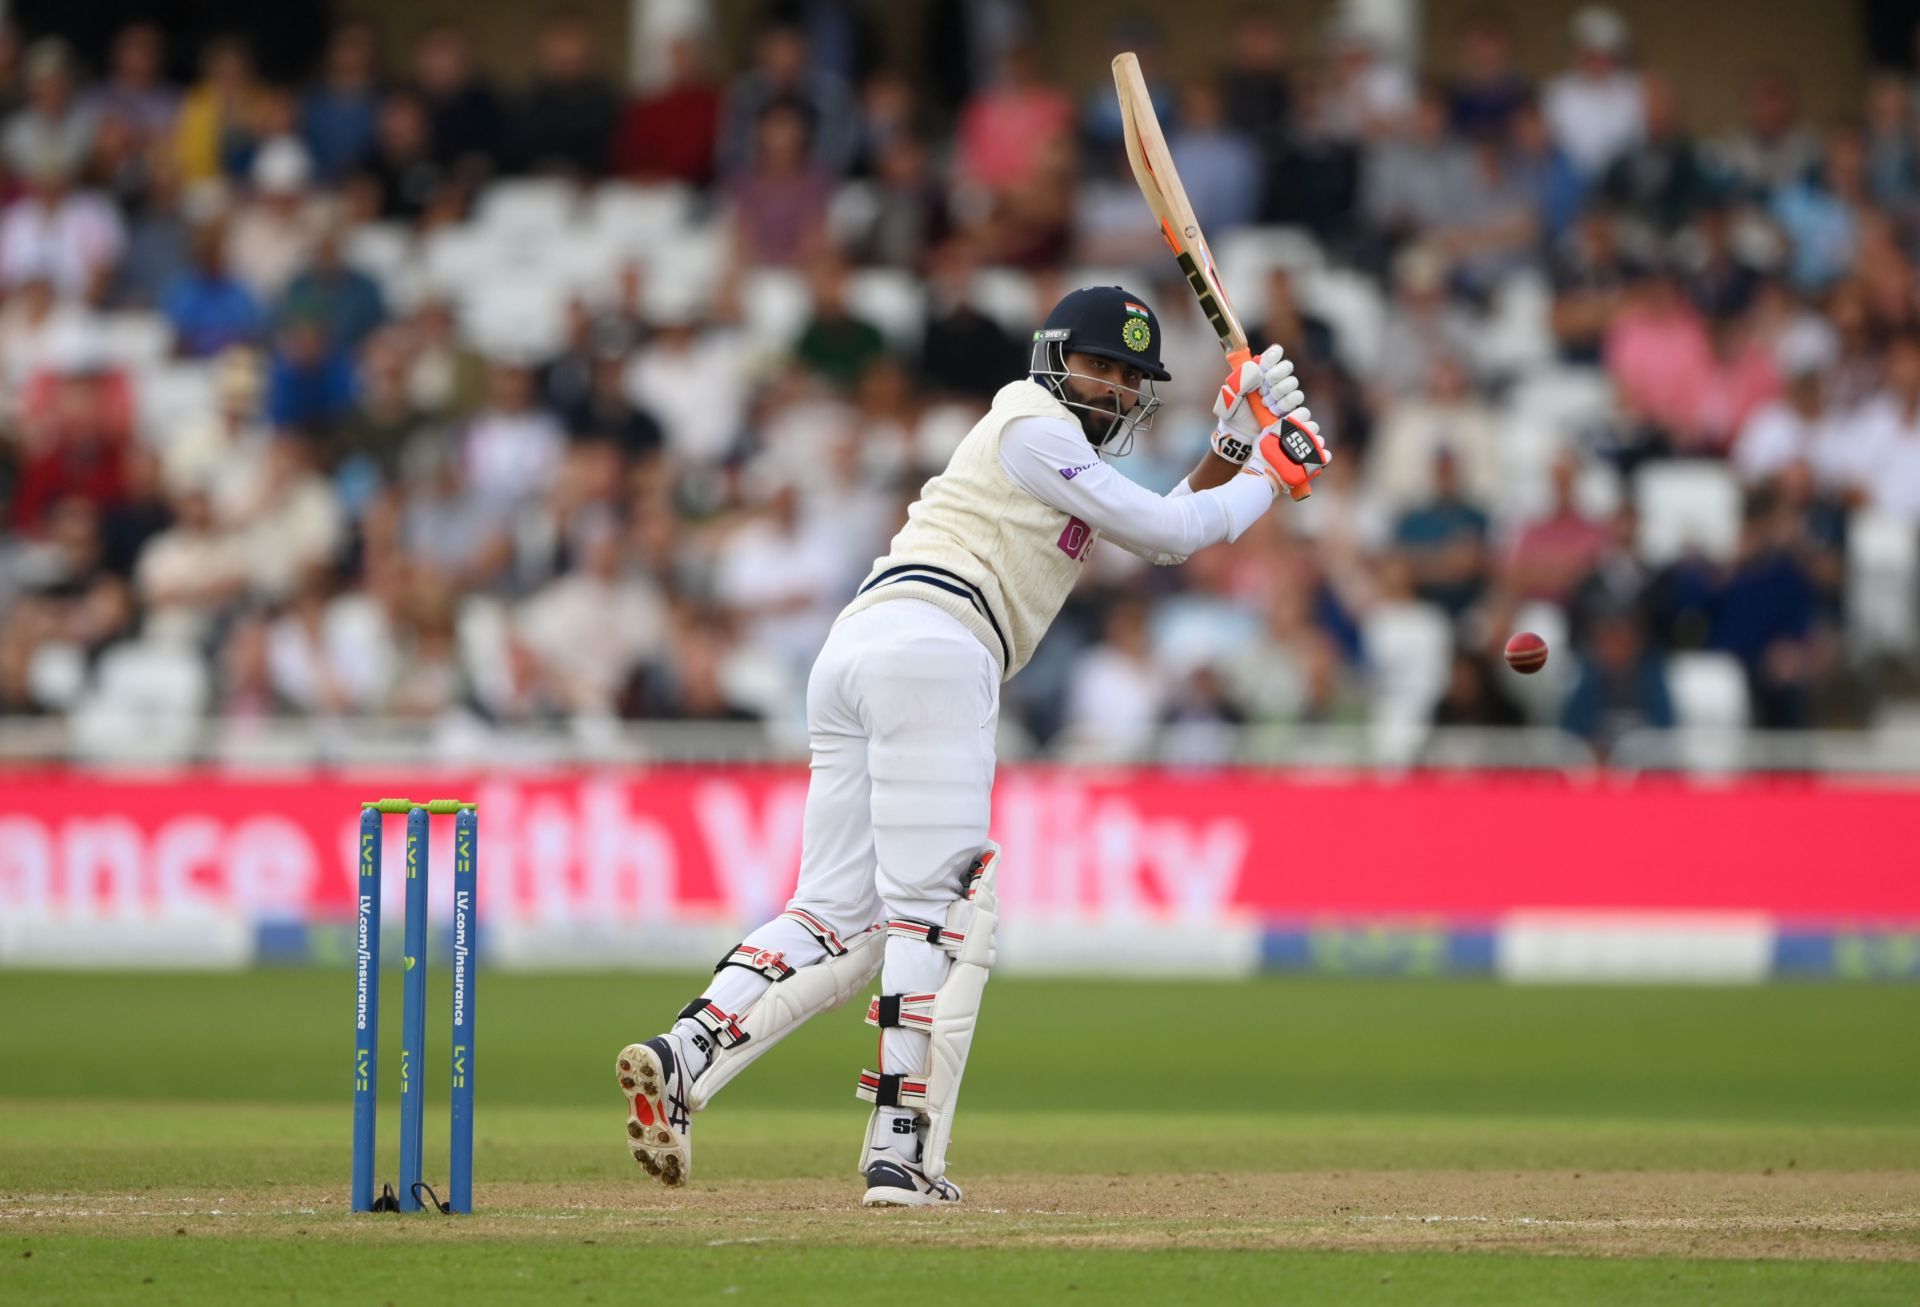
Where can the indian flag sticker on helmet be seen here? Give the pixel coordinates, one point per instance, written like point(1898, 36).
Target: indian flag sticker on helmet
point(1137, 334)
point(1140, 309)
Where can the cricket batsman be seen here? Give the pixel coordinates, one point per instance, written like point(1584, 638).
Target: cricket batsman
point(897, 875)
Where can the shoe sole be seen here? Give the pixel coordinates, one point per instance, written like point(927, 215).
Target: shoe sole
point(893, 1196)
point(662, 1151)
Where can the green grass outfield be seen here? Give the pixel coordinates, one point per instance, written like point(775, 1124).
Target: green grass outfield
point(168, 1138)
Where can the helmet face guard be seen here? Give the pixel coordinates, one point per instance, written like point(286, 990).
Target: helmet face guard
point(1109, 430)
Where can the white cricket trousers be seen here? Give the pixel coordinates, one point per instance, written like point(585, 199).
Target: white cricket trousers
point(902, 708)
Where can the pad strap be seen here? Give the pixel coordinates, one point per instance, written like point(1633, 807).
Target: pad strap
point(893, 1089)
point(927, 933)
point(901, 1011)
point(819, 929)
point(723, 1026)
point(766, 961)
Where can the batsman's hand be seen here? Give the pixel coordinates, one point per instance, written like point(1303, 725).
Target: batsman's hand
point(1290, 453)
point(1255, 394)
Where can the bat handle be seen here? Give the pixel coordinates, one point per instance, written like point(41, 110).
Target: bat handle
point(1235, 357)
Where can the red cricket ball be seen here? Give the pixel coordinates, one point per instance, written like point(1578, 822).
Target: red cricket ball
point(1526, 653)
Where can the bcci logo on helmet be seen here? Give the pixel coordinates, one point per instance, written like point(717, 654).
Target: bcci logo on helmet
point(1137, 335)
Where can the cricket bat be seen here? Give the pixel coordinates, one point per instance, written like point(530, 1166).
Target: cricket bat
point(1160, 184)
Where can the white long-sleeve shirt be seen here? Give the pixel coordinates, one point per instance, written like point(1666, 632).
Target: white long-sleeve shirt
point(1051, 460)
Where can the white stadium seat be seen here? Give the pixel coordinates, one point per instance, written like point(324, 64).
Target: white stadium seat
point(1353, 307)
point(638, 218)
point(1688, 504)
point(892, 301)
point(1007, 296)
point(170, 396)
point(135, 340)
point(145, 704)
point(1710, 709)
point(1247, 257)
point(1409, 651)
point(1883, 583)
point(775, 305)
point(529, 206)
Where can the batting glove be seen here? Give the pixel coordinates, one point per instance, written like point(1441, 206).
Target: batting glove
point(1290, 453)
point(1265, 383)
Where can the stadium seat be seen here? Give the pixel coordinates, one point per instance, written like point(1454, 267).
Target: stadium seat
point(852, 212)
point(169, 396)
point(145, 704)
point(135, 340)
point(636, 218)
point(892, 301)
point(529, 206)
point(1353, 307)
point(1518, 335)
point(1689, 504)
point(775, 305)
point(455, 259)
point(1007, 296)
point(386, 251)
point(1408, 649)
point(1247, 256)
point(1543, 693)
point(516, 316)
point(1710, 709)
point(1883, 584)
point(685, 267)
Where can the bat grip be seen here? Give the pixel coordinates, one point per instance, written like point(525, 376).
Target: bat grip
point(1235, 357)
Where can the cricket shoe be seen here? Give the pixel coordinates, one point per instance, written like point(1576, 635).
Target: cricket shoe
point(659, 1126)
point(896, 1184)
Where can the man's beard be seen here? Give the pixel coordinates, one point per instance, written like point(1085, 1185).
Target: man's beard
point(1098, 422)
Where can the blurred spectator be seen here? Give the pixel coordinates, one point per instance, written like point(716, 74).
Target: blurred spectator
point(1552, 554)
point(1413, 175)
point(778, 575)
point(189, 574)
point(1799, 427)
point(69, 605)
point(1893, 152)
point(428, 680)
point(308, 663)
point(1821, 213)
point(1116, 695)
point(33, 319)
point(1473, 696)
point(159, 241)
point(208, 307)
point(445, 376)
point(221, 451)
point(337, 118)
point(1007, 130)
point(1489, 90)
point(310, 384)
point(1369, 90)
point(1423, 326)
point(1774, 148)
point(1444, 541)
point(511, 449)
point(1446, 416)
point(217, 112)
point(1883, 440)
point(779, 205)
point(605, 412)
point(272, 234)
point(781, 74)
point(54, 131)
point(383, 423)
point(71, 237)
point(1314, 181)
point(672, 132)
point(401, 171)
point(591, 628)
point(1218, 165)
point(910, 213)
point(1619, 687)
point(1658, 352)
point(1259, 92)
point(1494, 229)
point(345, 301)
point(447, 527)
point(565, 120)
point(1595, 109)
point(135, 92)
point(289, 524)
point(891, 112)
point(964, 351)
point(76, 429)
point(693, 381)
point(465, 127)
point(1591, 273)
point(1661, 177)
point(836, 345)
point(690, 683)
point(1558, 188)
point(1717, 278)
point(1766, 615)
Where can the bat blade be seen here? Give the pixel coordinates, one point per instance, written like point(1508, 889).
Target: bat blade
point(1160, 184)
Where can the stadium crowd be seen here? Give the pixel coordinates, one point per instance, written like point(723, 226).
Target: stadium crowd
point(396, 393)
